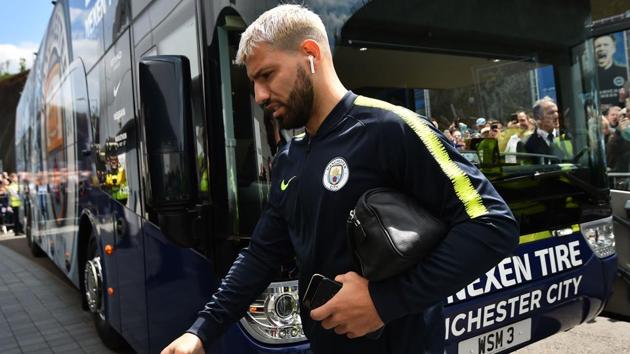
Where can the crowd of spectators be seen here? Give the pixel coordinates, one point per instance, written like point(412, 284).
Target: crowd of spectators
point(538, 132)
point(616, 131)
point(511, 136)
point(10, 203)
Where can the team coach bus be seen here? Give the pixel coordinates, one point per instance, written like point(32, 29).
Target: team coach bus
point(145, 162)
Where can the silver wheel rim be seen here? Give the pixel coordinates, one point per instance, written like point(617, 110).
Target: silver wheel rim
point(94, 286)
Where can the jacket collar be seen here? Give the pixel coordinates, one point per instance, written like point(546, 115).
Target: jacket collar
point(336, 116)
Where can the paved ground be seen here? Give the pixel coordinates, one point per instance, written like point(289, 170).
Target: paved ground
point(39, 310)
point(602, 336)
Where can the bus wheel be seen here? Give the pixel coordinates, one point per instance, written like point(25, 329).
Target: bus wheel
point(95, 298)
point(36, 251)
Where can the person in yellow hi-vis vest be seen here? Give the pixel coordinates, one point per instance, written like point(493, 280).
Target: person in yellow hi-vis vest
point(15, 202)
point(563, 147)
point(116, 180)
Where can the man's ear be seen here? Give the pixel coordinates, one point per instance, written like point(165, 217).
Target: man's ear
point(312, 51)
point(312, 48)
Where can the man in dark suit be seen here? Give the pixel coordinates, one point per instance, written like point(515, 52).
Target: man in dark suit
point(547, 118)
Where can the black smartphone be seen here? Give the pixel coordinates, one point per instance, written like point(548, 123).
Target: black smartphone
point(311, 288)
point(320, 289)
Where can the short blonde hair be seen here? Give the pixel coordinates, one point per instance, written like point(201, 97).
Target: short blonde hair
point(283, 27)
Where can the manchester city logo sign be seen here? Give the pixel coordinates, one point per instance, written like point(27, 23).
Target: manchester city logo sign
point(336, 174)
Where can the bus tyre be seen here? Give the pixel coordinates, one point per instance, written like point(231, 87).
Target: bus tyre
point(36, 251)
point(95, 297)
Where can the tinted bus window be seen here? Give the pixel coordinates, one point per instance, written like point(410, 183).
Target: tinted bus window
point(116, 20)
point(177, 34)
point(459, 91)
point(122, 180)
point(86, 27)
point(611, 56)
point(252, 138)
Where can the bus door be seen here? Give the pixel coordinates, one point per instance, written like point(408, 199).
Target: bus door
point(251, 139)
point(178, 280)
point(121, 181)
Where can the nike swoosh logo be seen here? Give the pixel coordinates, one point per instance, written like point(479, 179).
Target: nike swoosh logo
point(116, 89)
point(285, 185)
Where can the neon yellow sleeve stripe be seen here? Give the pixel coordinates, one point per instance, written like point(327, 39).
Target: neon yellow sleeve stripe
point(461, 183)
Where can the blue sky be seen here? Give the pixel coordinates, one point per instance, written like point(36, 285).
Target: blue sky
point(22, 26)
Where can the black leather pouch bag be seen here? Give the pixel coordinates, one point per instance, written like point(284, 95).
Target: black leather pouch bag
point(389, 232)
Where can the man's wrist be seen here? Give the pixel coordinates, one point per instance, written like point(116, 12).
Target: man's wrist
point(201, 328)
point(387, 305)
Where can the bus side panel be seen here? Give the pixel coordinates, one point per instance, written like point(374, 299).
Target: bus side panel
point(236, 341)
point(106, 236)
point(179, 282)
point(129, 256)
point(561, 288)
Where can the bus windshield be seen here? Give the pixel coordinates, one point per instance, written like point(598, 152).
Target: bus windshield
point(483, 105)
point(545, 158)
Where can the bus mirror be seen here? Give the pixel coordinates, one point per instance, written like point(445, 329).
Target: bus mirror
point(166, 110)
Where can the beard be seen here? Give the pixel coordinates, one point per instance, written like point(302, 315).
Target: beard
point(299, 105)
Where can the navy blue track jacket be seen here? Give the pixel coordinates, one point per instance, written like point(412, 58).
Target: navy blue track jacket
point(316, 180)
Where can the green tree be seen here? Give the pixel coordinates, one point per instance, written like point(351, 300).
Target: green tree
point(22, 65)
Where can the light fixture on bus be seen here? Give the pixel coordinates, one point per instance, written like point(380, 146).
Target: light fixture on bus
point(600, 236)
point(274, 317)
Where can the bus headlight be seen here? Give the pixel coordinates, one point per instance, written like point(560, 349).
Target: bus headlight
point(600, 236)
point(274, 318)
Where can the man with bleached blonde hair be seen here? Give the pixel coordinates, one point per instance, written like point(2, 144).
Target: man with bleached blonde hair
point(352, 144)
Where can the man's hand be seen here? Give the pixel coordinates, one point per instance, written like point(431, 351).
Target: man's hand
point(186, 344)
point(351, 311)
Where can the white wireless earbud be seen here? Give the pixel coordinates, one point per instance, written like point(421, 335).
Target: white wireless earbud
point(310, 60)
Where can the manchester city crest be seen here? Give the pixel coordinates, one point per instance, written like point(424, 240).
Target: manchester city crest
point(618, 81)
point(336, 174)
